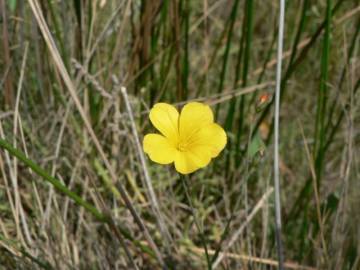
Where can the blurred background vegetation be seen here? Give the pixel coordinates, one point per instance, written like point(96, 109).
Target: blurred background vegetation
point(61, 106)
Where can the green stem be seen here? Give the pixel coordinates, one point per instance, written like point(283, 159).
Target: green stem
point(232, 20)
point(52, 180)
point(322, 100)
point(202, 235)
point(291, 68)
point(248, 38)
point(77, 199)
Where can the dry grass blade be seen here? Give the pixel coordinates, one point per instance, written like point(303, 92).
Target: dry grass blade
point(240, 230)
point(154, 203)
point(276, 136)
point(70, 86)
point(263, 261)
point(316, 192)
point(15, 129)
point(77, 189)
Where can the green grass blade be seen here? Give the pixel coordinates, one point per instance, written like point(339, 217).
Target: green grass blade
point(323, 97)
point(248, 40)
point(52, 180)
point(232, 20)
point(300, 30)
point(290, 70)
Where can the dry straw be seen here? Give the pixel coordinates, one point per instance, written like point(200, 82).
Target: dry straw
point(276, 136)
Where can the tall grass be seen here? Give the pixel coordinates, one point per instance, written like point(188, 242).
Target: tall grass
point(75, 191)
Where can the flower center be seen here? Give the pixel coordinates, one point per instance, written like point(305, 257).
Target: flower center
point(182, 146)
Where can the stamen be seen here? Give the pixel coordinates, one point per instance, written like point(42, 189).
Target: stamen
point(182, 147)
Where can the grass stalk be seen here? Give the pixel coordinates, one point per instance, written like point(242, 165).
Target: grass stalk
point(71, 120)
point(70, 86)
point(276, 137)
point(185, 61)
point(320, 125)
point(52, 180)
point(322, 99)
point(298, 60)
point(231, 23)
point(305, 192)
point(299, 31)
point(151, 193)
point(57, 184)
point(197, 224)
point(249, 217)
point(350, 54)
point(9, 91)
point(248, 34)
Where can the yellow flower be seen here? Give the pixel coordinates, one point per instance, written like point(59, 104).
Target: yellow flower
point(190, 139)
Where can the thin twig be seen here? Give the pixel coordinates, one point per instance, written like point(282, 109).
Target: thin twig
point(247, 258)
point(18, 203)
point(226, 95)
point(276, 136)
point(47, 212)
point(91, 79)
point(154, 203)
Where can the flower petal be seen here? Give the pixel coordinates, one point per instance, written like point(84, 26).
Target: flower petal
point(212, 137)
point(165, 118)
point(193, 117)
point(190, 161)
point(159, 148)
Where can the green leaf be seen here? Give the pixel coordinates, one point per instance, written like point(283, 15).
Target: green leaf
point(256, 146)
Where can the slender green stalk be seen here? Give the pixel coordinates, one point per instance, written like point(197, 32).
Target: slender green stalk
point(52, 180)
point(302, 199)
point(185, 60)
point(233, 103)
point(231, 111)
point(267, 60)
point(218, 45)
point(76, 198)
point(322, 99)
point(342, 77)
point(244, 48)
point(291, 68)
point(249, 23)
point(339, 120)
point(300, 30)
point(202, 235)
point(176, 29)
point(232, 19)
point(301, 202)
